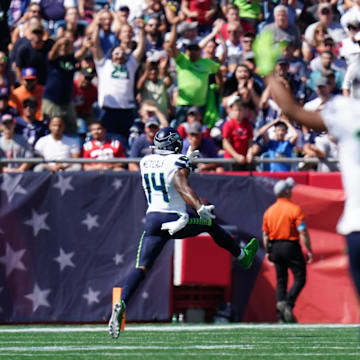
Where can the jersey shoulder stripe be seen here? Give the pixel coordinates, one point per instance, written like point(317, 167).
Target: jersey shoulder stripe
point(182, 162)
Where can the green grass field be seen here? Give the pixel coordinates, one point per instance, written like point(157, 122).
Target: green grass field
point(181, 341)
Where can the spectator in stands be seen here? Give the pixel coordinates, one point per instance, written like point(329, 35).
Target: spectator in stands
point(116, 85)
point(297, 66)
point(147, 109)
point(242, 78)
point(154, 82)
point(121, 18)
point(57, 98)
point(193, 77)
point(337, 64)
point(193, 115)
point(201, 12)
point(99, 147)
point(195, 140)
point(33, 10)
point(5, 108)
point(85, 94)
point(55, 10)
point(334, 29)
point(325, 149)
point(279, 147)
point(153, 36)
point(327, 58)
point(209, 45)
point(71, 23)
point(154, 9)
point(13, 145)
point(142, 144)
point(57, 146)
point(317, 42)
point(33, 52)
point(323, 92)
point(28, 125)
point(28, 88)
point(187, 32)
point(100, 29)
point(233, 43)
point(231, 12)
point(136, 7)
point(281, 29)
point(237, 136)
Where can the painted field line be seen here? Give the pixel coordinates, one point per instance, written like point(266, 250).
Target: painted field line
point(204, 327)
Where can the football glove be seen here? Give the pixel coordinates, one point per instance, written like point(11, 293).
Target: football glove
point(174, 226)
point(193, 155)
point(267, 52)
point(206, 212)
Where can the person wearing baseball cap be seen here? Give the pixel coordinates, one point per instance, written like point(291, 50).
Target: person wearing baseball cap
point(196, 141)
point(143, 144)
point(13, 145)
point(284, 228)
point(29, 88)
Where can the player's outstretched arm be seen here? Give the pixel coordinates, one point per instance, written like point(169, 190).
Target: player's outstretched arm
point(284, 99)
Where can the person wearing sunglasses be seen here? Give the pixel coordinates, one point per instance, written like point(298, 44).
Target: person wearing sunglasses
point(29, 88)
point(326, 17)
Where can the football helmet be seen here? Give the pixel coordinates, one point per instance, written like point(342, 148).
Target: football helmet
point(168, 140)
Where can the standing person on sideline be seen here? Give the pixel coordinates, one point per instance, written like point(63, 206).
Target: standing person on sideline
point(165, 181)
point(340, 116)
point(283, 227)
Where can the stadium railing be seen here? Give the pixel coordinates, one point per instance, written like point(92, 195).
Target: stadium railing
point(257, 160)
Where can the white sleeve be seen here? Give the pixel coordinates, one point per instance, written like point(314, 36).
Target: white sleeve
point(341, 116)
point(349, 77)
point(39, 146)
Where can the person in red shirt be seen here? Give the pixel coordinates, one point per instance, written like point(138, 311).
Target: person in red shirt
point(102, 148)
point(237, 136)
point(85, 94)
point(200, 11)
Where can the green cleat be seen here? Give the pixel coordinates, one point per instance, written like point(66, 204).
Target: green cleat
point(116, 319)
point(250, 251)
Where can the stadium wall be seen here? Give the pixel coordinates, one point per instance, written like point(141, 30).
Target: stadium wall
point(67, 238)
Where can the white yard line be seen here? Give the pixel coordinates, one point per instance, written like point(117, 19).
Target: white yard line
point(203, 327)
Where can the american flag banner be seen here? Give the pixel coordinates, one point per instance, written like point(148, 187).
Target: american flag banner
point(66, 239)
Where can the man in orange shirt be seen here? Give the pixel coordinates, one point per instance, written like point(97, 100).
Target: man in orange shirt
point(28, 88)
point(283, 228)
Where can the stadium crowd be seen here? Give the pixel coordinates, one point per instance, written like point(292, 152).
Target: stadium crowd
point(97, 79)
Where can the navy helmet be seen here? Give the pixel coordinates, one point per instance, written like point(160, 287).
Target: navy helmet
point(167, 140)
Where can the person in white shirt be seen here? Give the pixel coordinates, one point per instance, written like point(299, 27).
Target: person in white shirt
point(57, 146)
point(116, 76)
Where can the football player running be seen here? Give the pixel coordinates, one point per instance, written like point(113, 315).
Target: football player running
point(165, 181)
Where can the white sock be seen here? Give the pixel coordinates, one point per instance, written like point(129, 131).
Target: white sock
point(242, 254)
